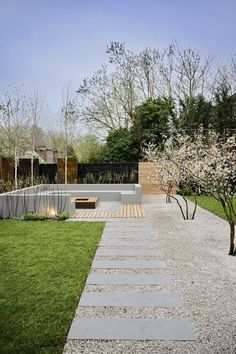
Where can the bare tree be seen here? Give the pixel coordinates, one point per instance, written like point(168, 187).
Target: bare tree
point(192, 72)
point(67, 122)
point(109, 98)
point(13, 123)
point(35, 132)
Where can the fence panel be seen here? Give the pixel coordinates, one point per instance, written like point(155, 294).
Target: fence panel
point(108, 173)
point(24, 168)
point(48, 172)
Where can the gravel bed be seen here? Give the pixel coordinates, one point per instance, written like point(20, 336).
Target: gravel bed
point(160, 271)
point(127, 347)
point(196, 253)
point(130, 312)
point(131, 288)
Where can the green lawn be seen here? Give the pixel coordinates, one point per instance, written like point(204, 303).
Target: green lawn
point(211, 204)
point(44, 266)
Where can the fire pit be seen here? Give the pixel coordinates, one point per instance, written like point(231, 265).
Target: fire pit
point(86, 203)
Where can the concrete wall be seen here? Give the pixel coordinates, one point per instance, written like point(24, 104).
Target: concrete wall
point(15, 205)
point(52, 199)
point(126, 193)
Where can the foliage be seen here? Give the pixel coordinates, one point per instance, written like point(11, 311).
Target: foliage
point(153, 119)
point(121, 146)
point(89, 149)
point(63, 215)
point(184, 190)
point(31, 216)
point(107, 100)
point(8, 185)
point(225, 109)
point(13, 121)
point(45, 267)
point(195, 113)
point(110, 177)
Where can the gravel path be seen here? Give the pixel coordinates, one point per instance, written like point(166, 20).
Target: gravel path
point(204, 276)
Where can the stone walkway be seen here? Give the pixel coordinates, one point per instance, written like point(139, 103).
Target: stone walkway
point(127, 272)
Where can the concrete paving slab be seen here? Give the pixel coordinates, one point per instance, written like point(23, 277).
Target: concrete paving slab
point(128, 299)
point(104, 251)
point(141, 264)
point(128, 243)
point(128, 279)
point(131, 329)
point(128, 237)
point(128, 228)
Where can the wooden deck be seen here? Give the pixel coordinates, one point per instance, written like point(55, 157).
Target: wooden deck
point(126, 211)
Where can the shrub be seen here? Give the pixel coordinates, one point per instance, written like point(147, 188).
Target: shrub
point(31, 216)
point(63, 216)
point(184, 190)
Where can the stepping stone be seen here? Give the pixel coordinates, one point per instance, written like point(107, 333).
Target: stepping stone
point(128, 279)
point(153, 264)
point(125, 299)
point(128, 238)
point(131, 232)
point(123, 242)
point(129, 228)
point(103, 251)
point(131, 329)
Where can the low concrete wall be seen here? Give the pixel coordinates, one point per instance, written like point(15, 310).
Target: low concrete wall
point(52, 199)
point(15, 205)
point(126, 193)
point(96, 187)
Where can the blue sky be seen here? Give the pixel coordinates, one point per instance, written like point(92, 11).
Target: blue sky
point(46, 43)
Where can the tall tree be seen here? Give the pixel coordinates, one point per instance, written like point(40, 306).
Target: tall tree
point(35, 132)
point(152, 120)
point(89, 149)
point(195, 113)
point(224, 100)
point(108, 99)
point(13, 123)
point(67, 122)
point(121, 146)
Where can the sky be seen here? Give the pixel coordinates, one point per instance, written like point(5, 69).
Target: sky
point(44, 44)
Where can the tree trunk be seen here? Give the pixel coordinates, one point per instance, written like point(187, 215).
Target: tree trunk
point(32, 170)
point(168, 199)
point(232, 249)
point(15, 160)
point(66, 170)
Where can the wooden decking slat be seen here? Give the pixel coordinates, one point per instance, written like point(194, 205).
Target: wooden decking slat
point(139, 212)
point(136, 210)
point(126, 211)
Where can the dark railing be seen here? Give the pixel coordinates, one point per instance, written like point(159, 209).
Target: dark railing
point(108, 173)
point(114, 173)
point(48, 172)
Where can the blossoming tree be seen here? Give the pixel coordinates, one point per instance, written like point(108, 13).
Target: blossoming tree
point(213, 167)
point(206, 163)
point(169, 171)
